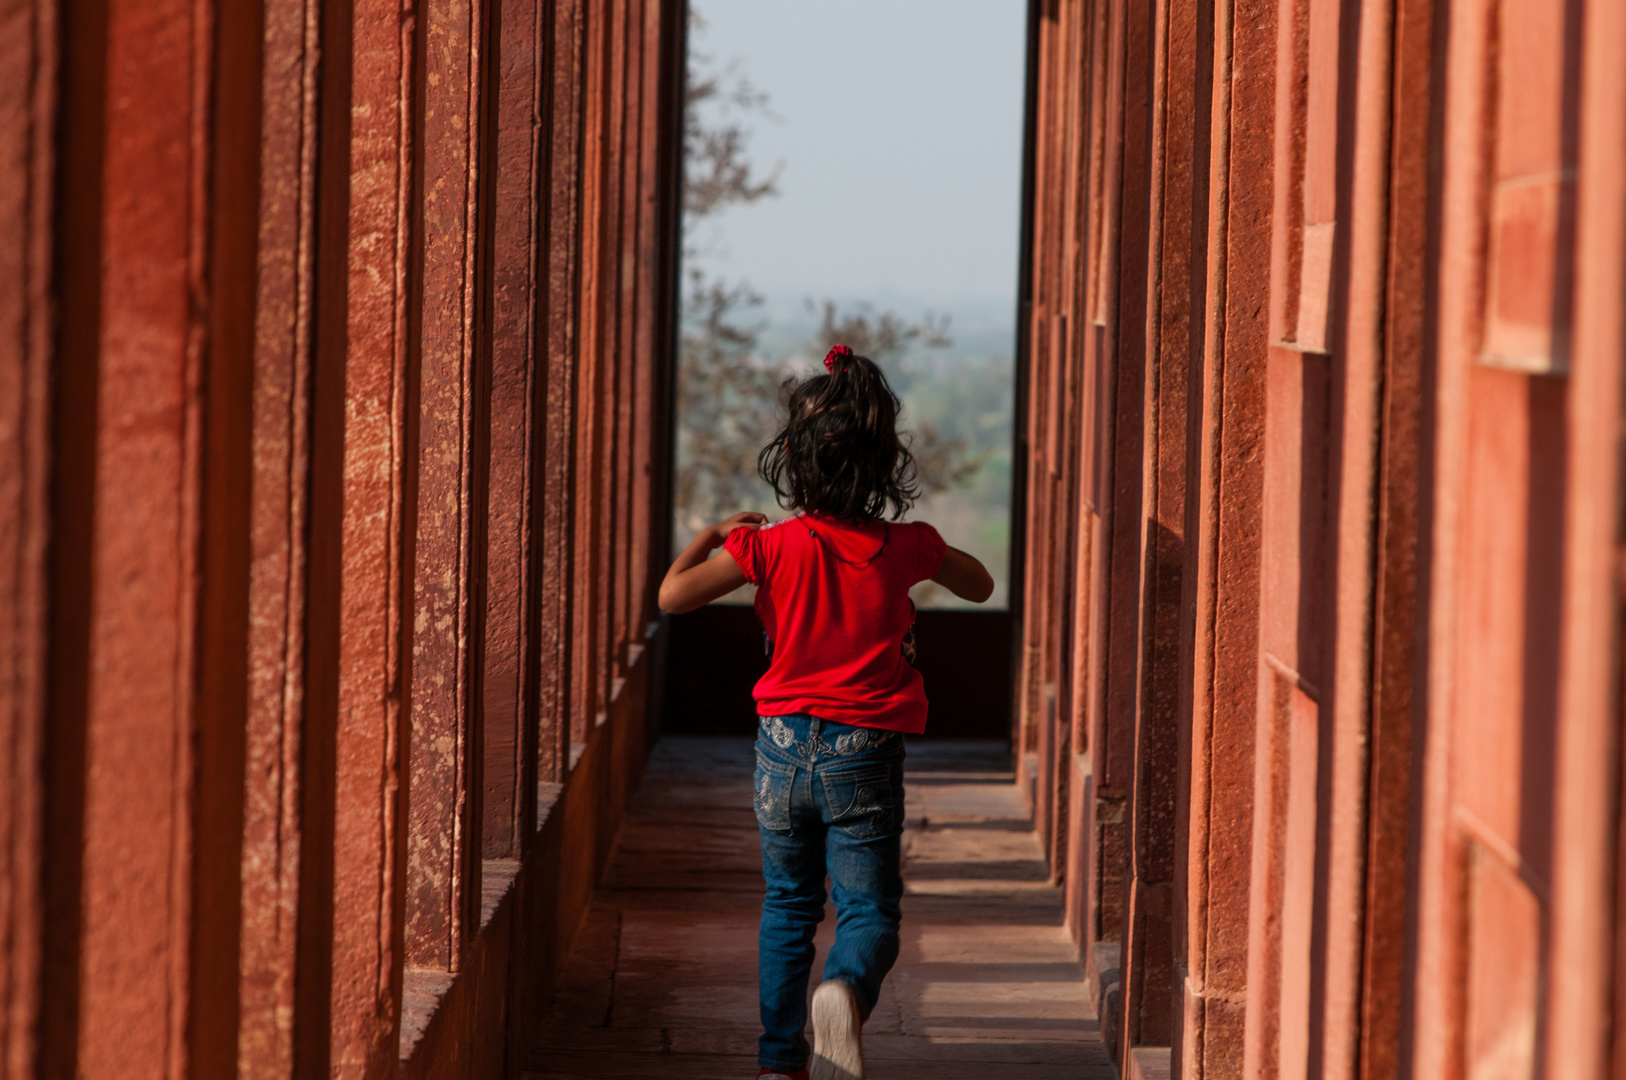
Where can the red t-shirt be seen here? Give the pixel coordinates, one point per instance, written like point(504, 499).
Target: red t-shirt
point(834, 598)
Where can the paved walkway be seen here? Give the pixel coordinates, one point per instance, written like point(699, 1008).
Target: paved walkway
point(662, 983)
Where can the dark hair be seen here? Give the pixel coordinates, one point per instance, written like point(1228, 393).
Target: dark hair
point(839, 451)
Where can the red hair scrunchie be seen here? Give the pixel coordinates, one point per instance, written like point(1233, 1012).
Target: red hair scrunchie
point(837, 352)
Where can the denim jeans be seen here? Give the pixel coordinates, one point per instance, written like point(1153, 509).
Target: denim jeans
point(829, 797)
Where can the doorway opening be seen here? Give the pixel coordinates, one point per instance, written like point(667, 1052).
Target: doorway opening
point(852, 173)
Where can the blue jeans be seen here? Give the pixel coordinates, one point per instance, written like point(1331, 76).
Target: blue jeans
point(829, 797)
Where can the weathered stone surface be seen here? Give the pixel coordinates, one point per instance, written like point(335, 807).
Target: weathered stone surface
point(333, 361)
point(1314, 460)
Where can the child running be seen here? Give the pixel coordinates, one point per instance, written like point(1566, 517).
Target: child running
point(840, 694)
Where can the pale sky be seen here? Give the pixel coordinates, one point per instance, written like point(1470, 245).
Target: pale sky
point(901, 133)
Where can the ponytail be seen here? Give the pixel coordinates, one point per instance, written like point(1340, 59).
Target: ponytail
point(839, 452)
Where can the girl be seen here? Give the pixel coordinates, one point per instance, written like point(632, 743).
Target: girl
point(833, 595)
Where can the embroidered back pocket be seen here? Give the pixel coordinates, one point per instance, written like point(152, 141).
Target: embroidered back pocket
point(772, 786)
point(863, 801)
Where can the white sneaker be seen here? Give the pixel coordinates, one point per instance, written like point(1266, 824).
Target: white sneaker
point(838, 1053)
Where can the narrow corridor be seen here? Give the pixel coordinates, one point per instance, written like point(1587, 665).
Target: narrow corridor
point(663, 978)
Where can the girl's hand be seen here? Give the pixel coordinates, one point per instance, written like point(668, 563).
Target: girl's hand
point(716, 534)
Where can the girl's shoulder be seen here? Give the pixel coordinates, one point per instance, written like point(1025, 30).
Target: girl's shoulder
point(757, 550)
point(770, 535)
point(773, 532)
point(929, 548)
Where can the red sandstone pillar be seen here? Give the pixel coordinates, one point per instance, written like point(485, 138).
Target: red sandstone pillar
point(518, 423)
point(1522, 739)
point(155, 296)
point(282, 846)
point(1396, 644)
point(589, 594)
point(28, 108)
point(558, 617)
point(1587, 892)
point(376, 462)
point(443, 849)
point(1222, 570)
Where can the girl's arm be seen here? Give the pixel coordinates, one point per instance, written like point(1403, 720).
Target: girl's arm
point(964, 576)
point(696, 580)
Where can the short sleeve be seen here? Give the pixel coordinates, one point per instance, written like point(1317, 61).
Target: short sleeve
point(745, 545)
point(930, 550)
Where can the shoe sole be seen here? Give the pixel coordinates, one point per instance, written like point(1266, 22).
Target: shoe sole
point(838, 1053)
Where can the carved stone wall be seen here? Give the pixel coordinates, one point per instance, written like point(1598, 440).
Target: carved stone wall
point(334, 346)
point(1319, 689)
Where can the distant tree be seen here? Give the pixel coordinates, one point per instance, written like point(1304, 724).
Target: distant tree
point(726, 392)
point(724, 400)
point(941, 463)
point(717, 173)
point(880, 336)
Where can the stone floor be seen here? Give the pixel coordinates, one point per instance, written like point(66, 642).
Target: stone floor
point(663, 979)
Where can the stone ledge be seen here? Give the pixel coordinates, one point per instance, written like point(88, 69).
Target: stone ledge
point(421, 992)
point(1101, 975)
point(497, 877)
point(548, 794)
point(471, 1022)
point(423, 989)
point(1149, 1063)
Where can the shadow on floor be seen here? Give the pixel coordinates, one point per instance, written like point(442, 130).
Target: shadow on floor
point(662, 982)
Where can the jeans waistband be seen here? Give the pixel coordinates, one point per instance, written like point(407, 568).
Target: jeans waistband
point(800, 739)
